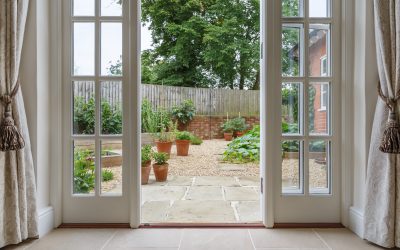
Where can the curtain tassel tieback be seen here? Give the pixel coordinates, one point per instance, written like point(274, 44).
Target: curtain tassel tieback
point(10, 137)
point(390, 142)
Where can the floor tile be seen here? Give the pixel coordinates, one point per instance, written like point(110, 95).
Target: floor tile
point(205, 193)
point(74, 239)
point(249, 211)
point(180, 181)
point(286, 238)
point(201, 211)
point(155, 211)
point(249, 181)
point(216, 181)
point(344, 239)
point(142, 238)
point(218, 239)
point(241, 194)
point(162, 193)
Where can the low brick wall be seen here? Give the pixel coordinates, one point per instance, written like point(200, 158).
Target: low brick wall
point(209, 127)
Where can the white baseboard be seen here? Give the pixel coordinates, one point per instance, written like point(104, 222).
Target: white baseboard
point(356, 221)
point(46, 220)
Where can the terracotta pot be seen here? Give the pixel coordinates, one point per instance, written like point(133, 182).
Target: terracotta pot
point(228, 136)
point(164, 147)
point(161, 172)
point(182, 147)
point(146, 167)
point(239, 133)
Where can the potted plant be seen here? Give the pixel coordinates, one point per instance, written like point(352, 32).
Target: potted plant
point(184, 113)
point(160, 167)
point(165, 138)
point(146, 155)
point(228, 129)
point(239, 126)
point(182, 143)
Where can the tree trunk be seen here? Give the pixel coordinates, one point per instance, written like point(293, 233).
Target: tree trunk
point(256, 85)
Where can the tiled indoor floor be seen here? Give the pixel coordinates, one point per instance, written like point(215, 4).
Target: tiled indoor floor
point(207, 239)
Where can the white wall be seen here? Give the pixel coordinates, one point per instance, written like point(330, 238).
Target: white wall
point(365, 97)
point(35, 82)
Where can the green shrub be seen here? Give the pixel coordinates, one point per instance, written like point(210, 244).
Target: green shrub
point(84, 117)
point(195, 140)
point(146, 154)
point(160, 158)
point(153, 120)
point(244, 149)
point(83, 171)
point(290, 128)
point(107, 175)
point(228, 126)
point(239, 124)
point(184, 135)
point(185, 112)
point(317, 146)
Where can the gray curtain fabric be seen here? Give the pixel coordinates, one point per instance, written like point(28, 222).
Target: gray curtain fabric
point(18, 217)
point(382, 210)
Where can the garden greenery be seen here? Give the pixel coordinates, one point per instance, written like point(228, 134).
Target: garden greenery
point(153, 120)
point(107, 175)
point(183, 135)
point(244, 149)
point(146, 154)
point(195, 140)
point(228, 127)
point(239, 124)
point(160, 158)
point(185, 112)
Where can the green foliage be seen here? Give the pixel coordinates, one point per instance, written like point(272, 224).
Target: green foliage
point(244, 149)
point(290, 100)
point(239, 124)
point(166, 134)
point(289, 128)
point(160, 158)
point(84, 117)
point(290, 8)
point(146, 153)
point(107, 175)
point(290, 146)
point(317, 146)
point(153, 120)
point(195, 140)
point(228, 126)
point(183, 135)
point(83, 171)
point(115, 69)
point(185, 112)
point(290, 51)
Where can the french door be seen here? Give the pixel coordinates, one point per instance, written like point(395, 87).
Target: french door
point(301, 74)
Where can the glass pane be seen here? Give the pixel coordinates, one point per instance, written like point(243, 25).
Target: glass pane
point(111, 7)
point(319, 8)
point(111, 49)
point(319, 96)
point(292, 50)
point(111, 108)
point(83, 49)
point(292, 8)
point(84, 167)
point(84, 108)
point(111, 167)
point(83, 8)
point(319, 167)
point(291, 99)
point(319, 55)
point(291, 167)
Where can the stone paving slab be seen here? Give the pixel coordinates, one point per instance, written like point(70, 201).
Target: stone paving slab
point(248, 211)
point(205, 193)
point(155, 211)
point(216, 181)
point(172, 181)
point(249, 181)
point(187, 211)
point(162, 193)
point(240, 194)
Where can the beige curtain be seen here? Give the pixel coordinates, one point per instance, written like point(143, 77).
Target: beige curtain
point(382, 210)
point(18, 216)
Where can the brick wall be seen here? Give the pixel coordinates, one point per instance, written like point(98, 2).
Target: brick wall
point(209, 127)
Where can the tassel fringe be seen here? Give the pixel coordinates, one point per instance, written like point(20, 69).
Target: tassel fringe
point(390, 142)
point(10, 137)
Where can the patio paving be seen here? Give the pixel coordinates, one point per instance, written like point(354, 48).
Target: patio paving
point(201, 199)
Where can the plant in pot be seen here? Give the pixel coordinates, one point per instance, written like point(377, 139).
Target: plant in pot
point(160, 167)
point(182, 143)
point(239, 126)
point(228, 129)
point(165, 138)
point(146, 156)
point(184, 113)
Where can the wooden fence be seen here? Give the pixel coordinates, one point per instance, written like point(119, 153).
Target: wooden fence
point(207, 101)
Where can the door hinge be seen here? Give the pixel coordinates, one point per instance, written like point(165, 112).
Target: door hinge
point(262, 185)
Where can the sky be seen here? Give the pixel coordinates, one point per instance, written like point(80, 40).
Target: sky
point(111, 37)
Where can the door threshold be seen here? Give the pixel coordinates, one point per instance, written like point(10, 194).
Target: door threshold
point(202, 225)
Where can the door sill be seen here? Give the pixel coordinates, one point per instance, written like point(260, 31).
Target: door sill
point(202, 225)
